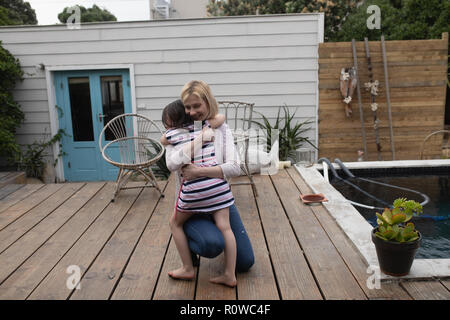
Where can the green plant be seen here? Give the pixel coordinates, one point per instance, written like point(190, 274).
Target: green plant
point(159, 168)
point(290, 134)
point(392, 224)
point(32, 159)
point(10, 114)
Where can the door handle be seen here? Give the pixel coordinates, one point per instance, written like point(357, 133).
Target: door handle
point(101, 116)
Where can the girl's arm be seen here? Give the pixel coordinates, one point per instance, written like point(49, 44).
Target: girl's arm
point(180, 155)
point(228, 168)
point(217, 121)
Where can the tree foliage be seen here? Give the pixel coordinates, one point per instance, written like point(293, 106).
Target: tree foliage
point(346, 19)
point(400, 20)
point(94, 14)
point(334, 10)
point(16, 12)
point(10, 114)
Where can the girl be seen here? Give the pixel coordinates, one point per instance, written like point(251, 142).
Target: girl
point(199, 194)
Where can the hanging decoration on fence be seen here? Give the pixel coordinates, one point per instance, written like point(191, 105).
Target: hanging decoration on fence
point(372, 87)
point(348, 83)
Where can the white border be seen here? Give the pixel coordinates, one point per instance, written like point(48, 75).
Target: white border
point(358, 230)
point(51, 95)
point(320, 39)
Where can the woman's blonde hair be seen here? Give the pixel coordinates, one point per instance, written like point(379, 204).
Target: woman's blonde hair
point(203, 91)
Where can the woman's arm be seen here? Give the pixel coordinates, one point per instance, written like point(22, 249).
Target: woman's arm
point(226, 156)
point(179, 155)
point(191, 172)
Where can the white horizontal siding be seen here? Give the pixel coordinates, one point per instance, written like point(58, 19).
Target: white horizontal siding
point(177, 29)
point(166, 44)
point(161, 56)
point(267, 60)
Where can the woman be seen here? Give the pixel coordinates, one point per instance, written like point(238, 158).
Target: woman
point(204, 237)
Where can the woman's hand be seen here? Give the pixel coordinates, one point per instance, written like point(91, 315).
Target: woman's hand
point(190, 172)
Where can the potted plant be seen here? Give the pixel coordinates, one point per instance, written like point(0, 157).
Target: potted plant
point(292, 134)
point(396, 240)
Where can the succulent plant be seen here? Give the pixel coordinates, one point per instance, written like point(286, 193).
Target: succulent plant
point(393, 223)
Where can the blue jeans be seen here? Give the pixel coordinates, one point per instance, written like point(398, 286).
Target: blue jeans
point(206, 240)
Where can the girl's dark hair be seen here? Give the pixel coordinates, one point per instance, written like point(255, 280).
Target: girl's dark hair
point(174, 115)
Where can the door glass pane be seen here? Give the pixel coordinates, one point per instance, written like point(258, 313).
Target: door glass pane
point(112, 100)
point(80, 106)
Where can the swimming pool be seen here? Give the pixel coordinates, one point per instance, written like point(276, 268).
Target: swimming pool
point(434, 223)
point(358, 229)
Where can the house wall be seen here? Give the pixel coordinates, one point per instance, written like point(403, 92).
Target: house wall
point(268, 60)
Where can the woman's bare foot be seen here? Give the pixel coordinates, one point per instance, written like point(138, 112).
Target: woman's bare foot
point(229, 281)
point(182, 274)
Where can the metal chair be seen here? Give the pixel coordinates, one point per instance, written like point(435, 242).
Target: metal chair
point(131, 149)
point(238, 116)
point(441, 141)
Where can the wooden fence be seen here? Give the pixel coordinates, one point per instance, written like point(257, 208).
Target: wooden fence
point(418, 81)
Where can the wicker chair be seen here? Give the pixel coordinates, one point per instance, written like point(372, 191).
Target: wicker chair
point(238, 116)
point(436, 145)
point(131, 149)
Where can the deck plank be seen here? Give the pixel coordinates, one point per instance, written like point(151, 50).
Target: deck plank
point(209, 291)
point(125, 250)
point(426, 290)
point(293, 275)
point(16, 254)
point(85, 250)
point(142, 271)
point(25, 279)
point(104, 273)
point(171, 289)
point(19, 209)
point(352, 257)
point(18, 195)
point(13, 178)
point(4, 174)
point(446, 283)
point(8, 189)
point(259, 282)
point(333, 276)
point(24, 223)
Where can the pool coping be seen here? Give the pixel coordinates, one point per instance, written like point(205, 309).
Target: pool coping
point(357, 229)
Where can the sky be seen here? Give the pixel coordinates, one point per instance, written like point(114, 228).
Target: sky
point(124, 10)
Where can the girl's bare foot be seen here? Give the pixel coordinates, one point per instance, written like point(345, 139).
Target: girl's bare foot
point(229, 281)
point(182, 274)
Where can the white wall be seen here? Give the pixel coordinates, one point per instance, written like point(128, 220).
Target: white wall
point(269, 60)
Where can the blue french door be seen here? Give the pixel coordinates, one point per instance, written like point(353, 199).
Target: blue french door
point(86, 101)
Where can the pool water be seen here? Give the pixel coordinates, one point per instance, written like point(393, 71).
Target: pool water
point(435, 233)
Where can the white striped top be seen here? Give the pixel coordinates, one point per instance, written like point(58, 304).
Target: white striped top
point(202, 194)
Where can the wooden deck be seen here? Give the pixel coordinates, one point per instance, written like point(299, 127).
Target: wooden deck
point(7, 178)
point(124, 249)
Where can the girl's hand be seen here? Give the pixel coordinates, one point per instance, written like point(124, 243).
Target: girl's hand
point(190, 172)
point(207, 134)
